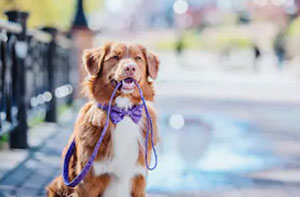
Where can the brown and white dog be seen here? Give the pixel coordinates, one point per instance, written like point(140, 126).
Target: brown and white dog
point(119, 169)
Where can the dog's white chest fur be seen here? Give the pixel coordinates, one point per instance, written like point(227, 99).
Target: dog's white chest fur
point(123, 165)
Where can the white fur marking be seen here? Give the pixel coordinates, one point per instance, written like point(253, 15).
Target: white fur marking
point(123, 102)
point(123, 165)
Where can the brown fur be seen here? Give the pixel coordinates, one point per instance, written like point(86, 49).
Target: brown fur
point(138, 186)
point(102, 68)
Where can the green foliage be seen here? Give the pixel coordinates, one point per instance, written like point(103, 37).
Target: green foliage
point(238, 41)
point(3, 140)
point(294, 28)
point(36, 120)
point(93, 5)
point(63, 108)
point(56, 13)
point(219, 39)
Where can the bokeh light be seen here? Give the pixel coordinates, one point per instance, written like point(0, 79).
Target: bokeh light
point(180, 6)
point(176, 121)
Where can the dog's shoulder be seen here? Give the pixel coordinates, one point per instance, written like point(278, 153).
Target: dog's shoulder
point(91, 114)
point(151, 110)
point(89, 124)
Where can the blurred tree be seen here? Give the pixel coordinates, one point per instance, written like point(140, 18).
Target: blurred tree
point(93, 5)
point(293, 38)
point(56, 13)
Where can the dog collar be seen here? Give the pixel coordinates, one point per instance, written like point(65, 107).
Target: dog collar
point(117, 114)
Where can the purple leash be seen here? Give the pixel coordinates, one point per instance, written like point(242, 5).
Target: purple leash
point(89, 164)
point(149, 123)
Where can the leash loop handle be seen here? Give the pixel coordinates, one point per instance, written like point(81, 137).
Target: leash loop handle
point(149, 126)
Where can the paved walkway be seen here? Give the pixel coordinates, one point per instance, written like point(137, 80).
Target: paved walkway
point(34, 168)
point(252, 150)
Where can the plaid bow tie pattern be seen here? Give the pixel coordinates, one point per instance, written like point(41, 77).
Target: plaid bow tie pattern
point(117, 114)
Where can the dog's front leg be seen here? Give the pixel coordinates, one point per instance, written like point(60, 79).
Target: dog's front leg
point(138, 186)
point(57, 188)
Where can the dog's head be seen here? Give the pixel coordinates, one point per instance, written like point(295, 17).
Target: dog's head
point(118, 62)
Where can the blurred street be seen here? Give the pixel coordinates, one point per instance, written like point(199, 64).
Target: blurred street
point(219, 137)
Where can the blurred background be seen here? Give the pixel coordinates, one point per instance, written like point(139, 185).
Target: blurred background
point(227, 94)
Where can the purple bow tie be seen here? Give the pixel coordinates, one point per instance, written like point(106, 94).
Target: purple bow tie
point(117, 114)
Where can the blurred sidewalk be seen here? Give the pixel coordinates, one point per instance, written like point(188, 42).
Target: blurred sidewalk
point(203, 75)
point(25, 173)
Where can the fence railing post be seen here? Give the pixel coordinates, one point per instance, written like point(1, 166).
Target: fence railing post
point(51, 69)
point(18, 137)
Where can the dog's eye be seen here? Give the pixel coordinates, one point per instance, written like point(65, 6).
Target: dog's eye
point(116, 57)
point(138, 58)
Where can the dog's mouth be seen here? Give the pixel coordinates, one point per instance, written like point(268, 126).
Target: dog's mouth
point(127, 85)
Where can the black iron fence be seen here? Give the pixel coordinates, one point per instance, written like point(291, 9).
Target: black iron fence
point(34, 75)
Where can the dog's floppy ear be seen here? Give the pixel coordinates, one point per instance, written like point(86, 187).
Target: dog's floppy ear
point(93, 59)
point(152, 65)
